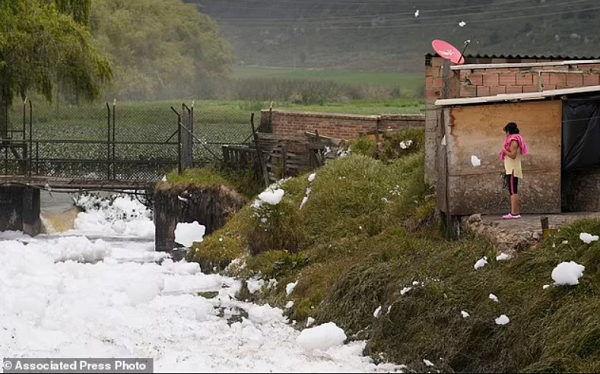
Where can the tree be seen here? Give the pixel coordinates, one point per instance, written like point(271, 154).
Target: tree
point(40, 47)
point(160, 48)
point(80, 10)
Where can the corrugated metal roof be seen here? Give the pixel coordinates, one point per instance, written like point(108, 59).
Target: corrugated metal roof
point(516, 97)
point(522, 57)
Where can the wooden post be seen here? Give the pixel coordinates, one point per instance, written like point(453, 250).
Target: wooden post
point(319, 163)
point(261, 164)
point(544, 221)
point(283, 160)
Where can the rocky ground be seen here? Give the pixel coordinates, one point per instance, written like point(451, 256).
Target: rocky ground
point(514, 235)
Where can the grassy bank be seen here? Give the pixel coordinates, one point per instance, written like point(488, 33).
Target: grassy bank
point(366, 253)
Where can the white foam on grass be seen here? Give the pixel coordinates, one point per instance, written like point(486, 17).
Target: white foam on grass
point(567, 273)
point(480, 263)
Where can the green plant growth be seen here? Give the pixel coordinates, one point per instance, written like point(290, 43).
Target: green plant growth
point(217, 251)
point(550, 330)
point(45, 45)
point(275, 227)
point(162, 48)
point(390, 145)
point(351, 200)
point(373, 261)
point(204, 176)
point(244, 181)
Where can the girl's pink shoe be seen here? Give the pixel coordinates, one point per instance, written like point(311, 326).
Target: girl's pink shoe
point(510, 216)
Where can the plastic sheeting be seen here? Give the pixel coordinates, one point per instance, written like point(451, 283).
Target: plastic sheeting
point(581, 133)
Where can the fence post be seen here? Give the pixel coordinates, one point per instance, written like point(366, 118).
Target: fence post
point(25, 160)
point(187, 141)
point(179, 166)
point(178, 140)
point(271, 117)
point(261, 165)
point(191, 129)
point(108, 144)
point(24, 115)
point(284, 160)
point(184, 137)
point(191, 135)
point(114, 112)
point(30, 137)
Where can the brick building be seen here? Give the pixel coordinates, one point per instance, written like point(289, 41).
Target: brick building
point(469, 104)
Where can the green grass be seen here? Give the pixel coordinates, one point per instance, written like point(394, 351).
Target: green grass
point(408, 82)
point(375, 107)
point(550, 330)
point(375, 195)
point(368, 231)
point(243, 181)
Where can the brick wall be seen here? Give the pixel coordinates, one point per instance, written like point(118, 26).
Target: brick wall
point(293, 125)
point(494, 81)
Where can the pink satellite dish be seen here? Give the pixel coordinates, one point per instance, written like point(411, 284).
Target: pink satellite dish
point(447, 51)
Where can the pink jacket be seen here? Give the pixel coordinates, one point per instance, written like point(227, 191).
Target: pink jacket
point(520, 140)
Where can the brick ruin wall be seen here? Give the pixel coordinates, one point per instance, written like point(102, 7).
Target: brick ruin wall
point(293, 125)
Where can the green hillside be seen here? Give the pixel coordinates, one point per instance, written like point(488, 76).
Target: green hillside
point(386, 34)
point(366, 252)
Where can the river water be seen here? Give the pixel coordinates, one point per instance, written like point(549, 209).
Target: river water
point(99, 289)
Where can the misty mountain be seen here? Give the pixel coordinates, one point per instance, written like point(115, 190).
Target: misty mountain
point(396, 34)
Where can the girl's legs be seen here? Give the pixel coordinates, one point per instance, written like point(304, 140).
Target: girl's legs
point(515, 205)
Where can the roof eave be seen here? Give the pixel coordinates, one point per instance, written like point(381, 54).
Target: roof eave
point(516, 97)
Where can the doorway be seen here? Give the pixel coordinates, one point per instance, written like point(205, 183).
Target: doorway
point(580, 174)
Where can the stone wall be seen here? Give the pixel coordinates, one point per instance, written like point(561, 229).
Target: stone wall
point(210, 206)
point(20, 209)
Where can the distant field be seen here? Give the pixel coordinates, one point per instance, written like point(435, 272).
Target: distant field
point(220, 120)
point(397, 106)
point(406, 82)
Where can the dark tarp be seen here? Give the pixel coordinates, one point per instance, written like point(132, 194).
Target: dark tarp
point(581, 133)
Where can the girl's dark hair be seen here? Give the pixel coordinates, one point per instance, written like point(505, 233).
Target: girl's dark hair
point(511, 128)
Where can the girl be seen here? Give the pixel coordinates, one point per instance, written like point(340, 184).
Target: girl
point(514, 147)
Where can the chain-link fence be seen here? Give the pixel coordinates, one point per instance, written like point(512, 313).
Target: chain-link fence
point(117, 141)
